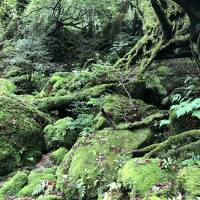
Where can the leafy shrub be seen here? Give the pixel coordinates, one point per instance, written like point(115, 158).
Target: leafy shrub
point(28, 54)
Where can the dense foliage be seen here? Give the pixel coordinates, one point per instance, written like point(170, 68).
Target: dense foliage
point(99, 99)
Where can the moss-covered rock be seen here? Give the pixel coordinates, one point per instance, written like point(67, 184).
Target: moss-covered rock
point(173, 72)
point(60, 133)
point(122, 109)
point(146, 121)
point(49, 197)
point(149, 89)
point(181, 146)
point(188, 181)
point(94, 160)
point(62, 83)
point(141, 175)
point(35, 180)
point(58, 155)
point(14, 184)
point(6, 86)
point(60, 101)
point(9, 157)
point(20, 123)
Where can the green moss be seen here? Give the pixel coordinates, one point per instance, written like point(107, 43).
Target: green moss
point(50, 197)
point(96, 157)
point(180, 146)
point(141, 175)
point(123, 109)
point(143, 123)
point(60, 101)
point(14, 184)
point(27, 98)
point(153, 82)
point(189, 182)
point(154, 197)
point(149, 15)
point(35, 179)
point(6, 86)
point(148, 88)
point(60, 133)
point(21, 123)
point(58, 155)
point(9, 157)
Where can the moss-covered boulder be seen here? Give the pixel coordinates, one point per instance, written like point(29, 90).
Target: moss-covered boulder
point(173, 72)
point(140, 175)
point(14, 185)
point(58, 155)
point(49, 197)
point(35, 180)
point(60, 133)
point(94, 160)
point(20, 123)
point(6, 86)
point(149, 89)
point(188, 181)
point(63, 101)
point(9, 157)
point(66, 82)
point(122, 109)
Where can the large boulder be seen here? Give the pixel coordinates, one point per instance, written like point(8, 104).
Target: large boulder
point(141, 175)
point(122, 109)
point(149, 89)
point(60, 133)
point(35, 182)
point(12, 186)
point(20, 123)
point(94, 160)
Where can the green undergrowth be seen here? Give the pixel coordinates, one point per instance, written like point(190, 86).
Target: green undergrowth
point(35, 182)
point(189, 183)
point(14, 185)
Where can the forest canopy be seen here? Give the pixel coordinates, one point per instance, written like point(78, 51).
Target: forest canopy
point(99, 99)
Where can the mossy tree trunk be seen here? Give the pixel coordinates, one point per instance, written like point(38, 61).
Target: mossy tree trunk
point(165, 28)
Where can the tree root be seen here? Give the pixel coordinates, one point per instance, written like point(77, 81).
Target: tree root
point(183, 150)
point(173, 146)
point(133, 53)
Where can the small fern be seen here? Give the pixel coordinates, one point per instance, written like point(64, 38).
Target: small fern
point(164, 122)
point(191, 106)
point(196, 113)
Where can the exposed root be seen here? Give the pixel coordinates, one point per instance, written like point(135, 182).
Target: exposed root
point(174, 144)
point(133, 53)
point(183, 150)
point(143, 151)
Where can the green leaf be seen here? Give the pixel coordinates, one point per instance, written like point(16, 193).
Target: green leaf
point(164, 122)
point(196, 113)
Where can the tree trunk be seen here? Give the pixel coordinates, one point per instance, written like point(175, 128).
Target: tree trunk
point(164, 25)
